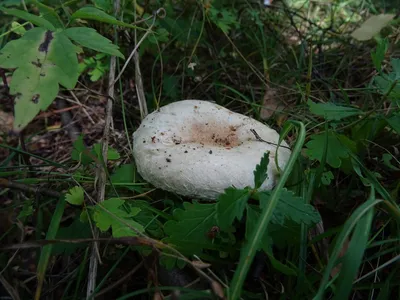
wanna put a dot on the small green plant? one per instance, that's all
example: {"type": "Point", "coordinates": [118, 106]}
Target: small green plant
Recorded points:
{"type": "Point", "coordinates": [46, 57]}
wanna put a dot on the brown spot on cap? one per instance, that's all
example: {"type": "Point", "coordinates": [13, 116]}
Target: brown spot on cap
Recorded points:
{"type": "Point", "coordinates": [221, 134]}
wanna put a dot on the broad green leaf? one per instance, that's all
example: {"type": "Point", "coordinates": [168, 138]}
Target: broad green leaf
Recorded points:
{"type": "Point", "coordinates": [284, 269]}
{"type": "Point", "coordinates": [77, 230]}
{"type": "Point", "coordinates": [394, 122]}
{"type": "Point", "coordinates": [231, 205]}
{"type": "Point", "coordinates": [372, 26]}
{"type": "Point", "coordinates": [261, 171]}
{"type": "Point", "coordinates": [292, 207]}
{"type": "Point", "coordinates": [43, 59]}
{"type": "Point", "coordinates": [93, 13]}
{"type": "Point", "coordinates": [330, 111]}
{"type": "Point", "coordinates": [379, 55]}
{"type": "Point", "coordinates": [89, 38]}
{"type": "Point", "coordinates": [124, 174]}
{"type": "Point", "coordinates": [112, 154]}
{"type": "Point", "coordinates": [75, 195]}
{"type": "Point", "coordinates": [27, 210]}
{"type": "Point", "coordinates": [336, 150]}
{"type": "Point", "coordinates": [396, 67]}
{"type": "Point", "coordinates": [36, 20]}
{"type": "Point", "coordinates": [122, 229]}
{"type": "Point", "coordinates": [192, 225]}
{"type": "Point", "coordinates": [49, 14]}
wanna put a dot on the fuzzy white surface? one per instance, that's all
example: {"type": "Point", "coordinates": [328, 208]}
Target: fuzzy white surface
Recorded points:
{"type": "Point", "coordinates": [197, 148]}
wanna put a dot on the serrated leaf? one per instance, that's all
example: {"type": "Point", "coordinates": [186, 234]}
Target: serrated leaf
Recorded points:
{"type": "Point", "coordinates": [261, 171]}
{"type": "Point", "coordinates": [223, 18]}
{"type": "Point", "coordinates": [294, 208]}
{"type": "Point", "coordinates": [230, 205]}
{"type": "Point", "coordinates": [75, 195]}
{"type": "Point", "coordinates": [330, 111]}
{"type": "Point", "coordinates": [394, 122]}
{"type": "Point", "coordinates": [89, 38]}
{"type": "Point", "coordinates": [43, 59]}
{"type": "Point", "coordinates": [336, 150]}
{"type": "Point", "coordinates": [192, 224]}
{"type": "Point", "coordinates": [36, 20]}
{"type": "Point", "coordinates": [112, 154]}
{"type": "Point", "coordinates": [93, 13]}
{"type": "Point", "coordinates": [372, 26]}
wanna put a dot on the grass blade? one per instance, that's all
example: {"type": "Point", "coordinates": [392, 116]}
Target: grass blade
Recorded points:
{"type": "Point", "coordinates": [46, 251]}
{"type": "Point", "coordinates": [250, 247]}
{"type": "Point", "coordinates": [347, 229]}
{"type": "Point", "coordinates": [354, 255]}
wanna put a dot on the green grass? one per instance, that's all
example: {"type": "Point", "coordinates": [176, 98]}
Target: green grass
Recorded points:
{"type": "Point", "coordinates": [343, 171]}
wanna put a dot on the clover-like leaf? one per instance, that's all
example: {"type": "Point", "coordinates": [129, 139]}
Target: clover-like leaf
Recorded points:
{"type": "Point", "coordinates": [75, 195]}
{"type": "Point", "coordinates": [43, 59]}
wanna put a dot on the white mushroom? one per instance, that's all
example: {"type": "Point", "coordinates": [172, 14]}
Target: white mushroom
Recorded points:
{"type": "Point", "coordinates": [197, 148]}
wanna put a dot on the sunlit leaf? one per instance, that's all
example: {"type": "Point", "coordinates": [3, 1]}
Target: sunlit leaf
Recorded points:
{"type": "Point", "coordinates": [75, 195]}
{"type": "Point", "coordinates": [330, 111]}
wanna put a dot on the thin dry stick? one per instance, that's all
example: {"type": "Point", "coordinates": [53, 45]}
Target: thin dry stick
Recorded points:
{"type": "Point", "coordinates": [101, 174]}
{"type": "Point", "coordinates": [138, 77]}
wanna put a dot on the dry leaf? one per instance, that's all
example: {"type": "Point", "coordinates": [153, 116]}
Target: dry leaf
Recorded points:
{"type": "Point", "coordinates": [271, 104]}
{"type": "Point", "coordinates": [372, 26]}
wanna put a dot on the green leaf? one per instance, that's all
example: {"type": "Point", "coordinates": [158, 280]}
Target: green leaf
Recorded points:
{"type": "Point", "coordinates": [124, 174]}
{"type": "Point", "coordinates": [192, 224]}
{"type": "Point", "coordinates": [230, 205]}
{"type": "Point", "coordinates": [326, 178]}
{"type": "Point", "coordinates": [396, 67]}
{"type": "Point", "coordinates": [27, 210]}
{"type": "Point", "coordinates": [336, 150]}
{"type": "Point", "coordinates": [43, 60]}
{"type": "Point", "coordinates": [354, 255]}
{"type": "Point", "coordinates": [394, 122]}
{"type": "Point", "coordinates": [92, 13]}
{"type": "Point", "coordinates": [386, 158]}
{"type": "Point", "coordinates": [36, 20]}
{"type": "Point", "coordinates": [252, 216]}
{"type": "Point", "coordinates": [379, 55]}
{"type": "Point", "coordinates": [372, 26]}
{"type": "Point", "coordinates": [77, 230]}
{"type": "Point", "coordinates": [223, 18]}
{"type": "Point", "coordinates": [18, 28]}
{"type": "Point", "coordinates": [122, 229]}
{"type": "Point", "coordinates": [330, 111]}
{"type": "Point", "coordinates": [112, 154]}
{"type": "Point", "coordinates": [49, 14]}
{"type": "Point", "coordinates": [89, 38]}
{"type": "Point", "coordinates": [75, 195]}
{"type": "Point", "coordinates": [78, 153]}
{"type": "Point", "coordinates": [294, 208]}
{"type": "Point", "coordinates": [261, 171]}
{"type": "Point", "coordinates": [101, 214]}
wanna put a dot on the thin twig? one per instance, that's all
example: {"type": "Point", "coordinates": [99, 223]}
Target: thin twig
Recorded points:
{"type": "Point", "coordinates": [138, 76]}
{"type": "Point", "coordinates": [27, 188]}
{"type": "Point", "coordinates": [264, 141]}
{"type": "Point", "coordinates": [8, 287]}
{"type": "Point", "coordinates": [101, 173]}
{"type": "Point", "coordinates": [160, 13]}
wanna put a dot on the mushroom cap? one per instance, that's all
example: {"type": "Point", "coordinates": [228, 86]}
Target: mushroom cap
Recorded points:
{"type": "Point", "coordinates": [198, 149]}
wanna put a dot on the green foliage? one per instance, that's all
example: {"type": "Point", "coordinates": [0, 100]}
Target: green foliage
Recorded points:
{"type": "Point", "coordinates": [44, 58]}
{"type": "Point", "coordinates": [225, 19]}
{"type": "Point", "coordinates": [231, 205]}
{"type": "Point", "coordinates": [336, 149]}
{"type": "Point", "coordinates": [330, 111]}
{"type": "Point", "coordinates": [75, 195]}
{"type": "Point", "coordinates": [260, 173]}
{"type": "Point", "coordinates": [379, 54]}
{"type": "Point", "coordinates": [85, 156]}
{"type": "Point", "coordinates": [112, 214]}
{"type": "Point", "coordinates": [97, 66]}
